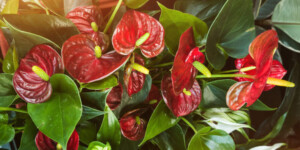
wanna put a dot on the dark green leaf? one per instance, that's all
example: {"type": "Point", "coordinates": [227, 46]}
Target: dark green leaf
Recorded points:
{"type": "Point", "coordinates": [28, 136]}
{"type": "Point", "coordinates": [172, 138]}
{"type": "Point", "coordinates": [176, 22]}
{"type": "Point", "coordinates": [33, 29]}
{"type": "Point", "coordinates": [287, 41]}
{"type": "Point", "coordinates": [7, 133]}
{"type": "Point", "coordinates": [260, 106]}
{"type": "Point", "coordinates": [127, 144]}
{"type": "Point", "coordinates": [7, 92]}
{"type": "Point", "coordinates": [205, 10]}
{"type": "Point", "coordinates": [87, 132]}
{"type": "Point", "coordinates": [11, 7]}
{"type": "Point", "coordinates": [90, 113]}
{"type": "Point", "coordinates": [11, 61]}
{"type": "Point", "coordinates": [135, 4]}
{"type": "Point", "coordinates": [161, 120]}
{"type": "Point", "coordinates": [110, 130]}
{"type": "Point", "coordinates": [215, 139]}
{"type": "Point", "coordinates": [95, 99]}
{"type": "Point", "coordinates": [230, 34]}
{"type": "Point", "coordinates": [128, 102]}
{"type": "Point", "coordinates": [58, 116]}
{"type": "Point", "coordinates": [267, 9]}
{"type": "Point", "coordinates": [106, 83]}
{"type": "Point", "coordinates": [286, 17]}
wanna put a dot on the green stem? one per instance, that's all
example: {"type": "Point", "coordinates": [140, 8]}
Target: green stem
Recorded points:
{"type": "Point", "coordinates": [202, 51]}
{"type": "Point", "coordinates": [12, 109]}
{"type": "Point", "coordinates": [163, 65]}
{"type": "Point", "coordinates": [225, 76]}
{"type": "Point", "coordinates": [112, 16]}
{"type": "Point", "coordinates": [189, 124]}
{"type": "Point", "coordinates": [229, 71]}
{"type": "Point", "coordinates": [19, 128]}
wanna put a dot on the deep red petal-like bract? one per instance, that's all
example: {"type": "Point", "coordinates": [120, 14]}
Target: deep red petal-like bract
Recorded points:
{"type": "Point", "coordinates": [154, 94]}
{"type": "Point", "coordinates": [180, 104]}
{"type": "Point", "coordinates": [130, 128]}
{"type": "Point", "coordinates": [45, 143]}
{"type": "Point", "coordinates": [183, 72]}
{"type": "Point", "coordinates": [261, 50]}
{"type": "Point", "coordinates": [80, 61]}
{"type": "Point", "coordinates": [114, 97]}
{"type": "Point", "coordinates": [132, 26]}
{"type": "Point", "coordinates": [134, 81]}
{"type": "Point", "coordinates": [29, 86]}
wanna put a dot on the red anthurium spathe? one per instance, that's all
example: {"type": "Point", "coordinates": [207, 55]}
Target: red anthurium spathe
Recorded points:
{"type": "Point", "coordinates": [134, 80]}
{"type": "Point", "coordinates": [31, 78]}
{"type": "Point", "coordinates": [114, 97]}
{"type": "Point", "coordinates": [85, 61]}
{"type": "Point", "coordinates": [277, 70]}
{"type": "Point", "coordinates": [154, 96]}
{"type": "Point", "coordinates": [261, 51]}
{"type": "Point", "coordinates": [183, 72]}
{"type": "Point", "coordinates": [83, 18]}
{"type": "Point", "coordinates": [132, 126]}
{"type": "Point", "coordinates": [180, 104]}
{"type": "Point", "coordinates": [138, 29]}
{"type": "Point", "coordinates": [45, 143]}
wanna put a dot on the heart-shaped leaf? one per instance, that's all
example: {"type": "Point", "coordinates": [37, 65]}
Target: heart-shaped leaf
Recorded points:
{"type": "Point", "coordinates": [28, 136]}
{"type": "Point", "coordinates": [266, 9]}
{"type": "Point", "coordinates": [58, 117]}
{"type": "Point", "coordinates": [7, 133]}
{"type": "Point", "coordinates": [106, 83]}
{"type": "Point", "coordinates": [135, 4]}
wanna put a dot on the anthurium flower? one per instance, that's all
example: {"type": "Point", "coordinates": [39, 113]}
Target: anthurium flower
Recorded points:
{"type": "Point", "coordinates": [85, 61]}
{"type": "Point", "coordinates": [31, 79]}
{"type": "Point", "coordinates": [180, 104]}
{"type": "Point", "coordinates": [154, 96]}
{"type": "Point", "coordinates": [45, 143]}
{"type": "Point", "coordinates": [138, 30]}
{"type": "Point", "coordinates": [277, 70]}
{"type": "Point", "coordinates": [132, 126]}
{"type": "Point", "coordinates": [261, 51]}
{"type": "Point", "coordinates": [183, 72]}
{"type": "Point", "coordinates": [133, 79]}
{"type": "Point", "coordinates": [114, 97]}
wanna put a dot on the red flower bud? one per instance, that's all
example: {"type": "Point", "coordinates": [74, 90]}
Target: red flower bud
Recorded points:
{"type": "Point", "coordinates": [114, 97]}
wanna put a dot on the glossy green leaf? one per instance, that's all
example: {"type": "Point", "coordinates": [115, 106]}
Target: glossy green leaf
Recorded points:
{"type": "Point", "coordinates": [7, 92]}
{"type": "Point", "coordinates": [176, 22]}
{"type": "Point", "coordinates": [204, 10]}
{"type": "Point", "coordinates": [110, 130]}
{"type": "Point", "coordinates": [87, 132]}
{"type": "Point", "coordinates": [33, 29]}
{"type": "Point", "coordinates": [127, 102]}
{"type": "Point", "coordinates": [287, 41]}
{"type": "Point", "coordinates": [135, 4]}
{"type": "Point", "coordinates": [230, 34]}
{"type": "Point", "coordinates": [11, 7]}
{"type": "Point", "coordinates": [267, 9]}
{"type": "Point", "coordinates": [161, 120]}
{"type": "Point", "coordinates": [58, 117]}
{"type": "Point", "coordinates": [286, 17]}
{"type": "Point", "coordinates": [95, 99]}
{"type": "Point", "coordinates": [260, 106]}
{"type": "Point", "coordinates": [106, 83]}
{"type": "Point", "coordinates": [3, 118]}
{"type": "Point", "coordinates": [172, 138]}
{"type": "Point", "coordinates": [127, 144]}
{"type": "Point", "coordinates": [28, 136]}
{"type": "Point", "coordinates": [215, 139]}
{"type": "Point", "coordinates": [90, 113]}
{"type": "Point", "coordinates": [11, 61]}
{"type": "Point", "coordinates": [7, 133]}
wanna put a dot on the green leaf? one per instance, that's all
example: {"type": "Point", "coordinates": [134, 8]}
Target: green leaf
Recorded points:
{"type": "Point", "coordinates": [260, 106]}
{"type": "Point", "coordinates": [204, 10]}
{"type": "Point", "coordinates": [56, 6]}
{"type": "Point", "coordinates": [161, 120]}
{"type": "Point", "coordinates": [110, 130]}
{"type": "Point", "coordinates": [28, 136]}
{"type": "Point", "coordinates": [230, 34]}
{"type": "Point", "coordinates": [215, 139]}
{"type": "Point", "coordinates": [176, 22]}
{"type": "Point", "coordinates": [7, 92]}
{"type": "Point", "coordinates": [172, 138]}
{"type": "Point", "coordinates": [7, 133]}
{"type": "Point", "coordinates": [135, 4]}
{"type": "Point", "coordinates": [127, 144]}
{"type": "Point", "coordinates": [267, 9]}
{"type": "Point", "coordinates": [286, 17]}
{"type": "Point", "coordinates": [11, 61]}
{"type": "Point", "coordinates": [99, 146]}
{"type": "Point", "coordinates": [58, 117]}
{"type": "Point", "coordinates": [95, 99]}
{"type": "Point", "coordinates": [87, 132]}
{"type": "Point", "coordinates": [3, 118]}
{"type": "Point", "coordinates": [106, 83]}
{"type": "Point", "coordinates": [11, 7]}
{"type": "Point", "coordinates": [33, 29]}
{"type": "Point", "coordinates": [90, 113]}
{"type": "Point", "coordinates": [127, 102]}
{"type": "Point", "coordinates": [287, 41]}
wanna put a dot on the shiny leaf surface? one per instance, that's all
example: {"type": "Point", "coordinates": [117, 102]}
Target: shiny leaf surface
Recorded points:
{"type": "Point", "coordinates": [7, 92]}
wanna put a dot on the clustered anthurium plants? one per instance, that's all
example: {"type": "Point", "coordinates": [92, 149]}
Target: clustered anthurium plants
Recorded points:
{"type": "Point", "coordinates": [147, 74]}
